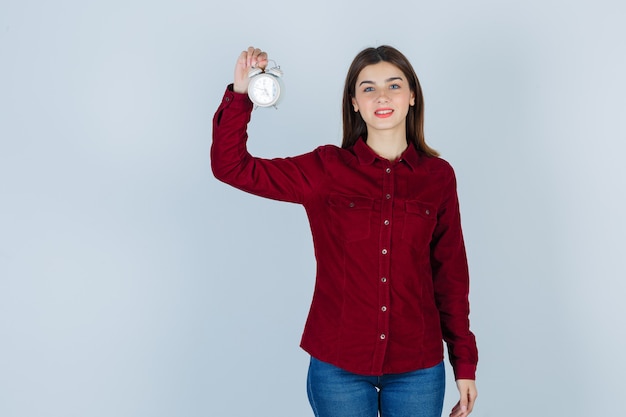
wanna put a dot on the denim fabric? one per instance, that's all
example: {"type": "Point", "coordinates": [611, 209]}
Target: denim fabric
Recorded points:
{"type": "Point", "coordinates": [334, 392]}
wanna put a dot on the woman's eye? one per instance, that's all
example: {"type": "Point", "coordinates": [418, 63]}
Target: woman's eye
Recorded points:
{"type": "Point", "coordinates": [368, 89]}
{"type": "Point", "coordinates": [394, 86]}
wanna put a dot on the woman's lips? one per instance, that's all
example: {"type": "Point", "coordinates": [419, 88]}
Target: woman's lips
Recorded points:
{"type": "Point", "coordinates": [383, 113]}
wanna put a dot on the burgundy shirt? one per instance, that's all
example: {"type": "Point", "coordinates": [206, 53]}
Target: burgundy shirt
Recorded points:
{"type": "Point", "coordinates": [392, 276]}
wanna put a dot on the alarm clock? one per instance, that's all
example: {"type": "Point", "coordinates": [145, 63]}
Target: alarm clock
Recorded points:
{"type": "Point", "coordinates": [266, 86]}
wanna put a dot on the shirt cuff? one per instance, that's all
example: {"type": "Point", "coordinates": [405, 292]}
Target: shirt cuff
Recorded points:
{"type": "Point", "coordinates": [465, 371]}
{"type": "Point", "coordinates": [236, 100]}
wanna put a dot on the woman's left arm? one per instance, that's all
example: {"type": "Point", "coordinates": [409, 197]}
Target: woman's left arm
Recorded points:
{"type": "Point", "coordinates": [451, 279]}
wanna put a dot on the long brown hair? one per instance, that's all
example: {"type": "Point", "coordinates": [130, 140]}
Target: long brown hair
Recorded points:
{"type": "Point", "coordinates": [353, 125]}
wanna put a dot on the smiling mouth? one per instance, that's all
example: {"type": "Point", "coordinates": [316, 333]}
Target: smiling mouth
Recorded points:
{"type": "Point", "coordinates": [383, 112]}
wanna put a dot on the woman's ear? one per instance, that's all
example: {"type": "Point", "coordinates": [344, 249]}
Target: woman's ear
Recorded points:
{"type": "Point", "coordinates": [354, 105]}
{"type": "Point", "coordinates": [412, 101]}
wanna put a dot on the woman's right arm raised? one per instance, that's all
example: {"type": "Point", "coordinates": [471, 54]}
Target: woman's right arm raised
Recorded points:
{"type": "Point", "coordinates": [286, 179]}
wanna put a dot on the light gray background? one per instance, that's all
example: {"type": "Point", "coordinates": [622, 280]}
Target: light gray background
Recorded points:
{"type": "Point", "coordinates": [132, 283]}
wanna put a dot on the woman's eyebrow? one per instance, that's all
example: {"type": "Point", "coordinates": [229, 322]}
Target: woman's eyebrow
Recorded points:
{"type": "Point", "coordinates": [387, 80]}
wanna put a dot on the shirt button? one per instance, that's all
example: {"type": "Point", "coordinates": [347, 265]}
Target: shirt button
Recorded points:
{"type": "Point", "coordinates": [351, 204]}
{"type": "Point", "coordinates": [386, 222]}
{"type": "Point", "coordinates": [427, 211]}
{"type": "Point", "coordinates": [388, 196]}
{"type": "Point", "coordinates": [384, 252]}
{"type": "Point", "coordinates": [388, 170]}
{"type": "Point", "coordinates": [383, 279]}
{"type": "Point", "coordinates": [382, 336]}
{"type": "Point", "coordinates": [383, 308]}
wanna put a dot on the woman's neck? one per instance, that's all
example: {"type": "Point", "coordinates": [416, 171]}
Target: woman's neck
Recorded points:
{"type": "Point", "coordinates": [387, 146]}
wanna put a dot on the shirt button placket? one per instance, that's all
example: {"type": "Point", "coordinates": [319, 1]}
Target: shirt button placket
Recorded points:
{"type": "Point", "coordinates": [385, 262]}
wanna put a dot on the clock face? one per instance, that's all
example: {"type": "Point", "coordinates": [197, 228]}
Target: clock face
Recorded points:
{"type": "Point", "coordinates": [263, 90]}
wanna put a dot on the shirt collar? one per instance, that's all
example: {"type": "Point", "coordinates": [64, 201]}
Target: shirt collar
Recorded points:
{"type": "Point", "coordinates": [367, 156]}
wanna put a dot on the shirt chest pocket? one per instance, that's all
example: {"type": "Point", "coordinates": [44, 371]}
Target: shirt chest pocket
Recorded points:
{"type": "Point", "coordinates": [351, 216]}
{"type": "Point", "coordinates": [420, 220]}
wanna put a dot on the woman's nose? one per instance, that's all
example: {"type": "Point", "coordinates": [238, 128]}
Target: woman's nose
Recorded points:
{"type": "Point", "coordinates": [382, 97]}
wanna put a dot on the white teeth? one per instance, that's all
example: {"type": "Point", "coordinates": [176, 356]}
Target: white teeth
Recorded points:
{"type": "Point", "coordinates": [384, 112]}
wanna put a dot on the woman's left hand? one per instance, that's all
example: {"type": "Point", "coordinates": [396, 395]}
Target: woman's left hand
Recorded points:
{"type": "Point", "coordinates": [467, 390]}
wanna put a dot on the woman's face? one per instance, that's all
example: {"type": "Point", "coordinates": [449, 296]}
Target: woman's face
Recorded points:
{"type": "Point", "coordinates": [383, 96]}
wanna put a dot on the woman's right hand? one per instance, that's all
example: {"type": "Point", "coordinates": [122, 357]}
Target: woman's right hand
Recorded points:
{"type": "Point", "coordinates": [250, 58]}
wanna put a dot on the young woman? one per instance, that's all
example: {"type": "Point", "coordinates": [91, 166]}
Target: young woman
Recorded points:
{"type": "Point", "coordinates": [392, 278]}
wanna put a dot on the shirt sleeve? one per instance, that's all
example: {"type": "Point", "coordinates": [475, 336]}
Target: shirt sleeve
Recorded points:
{"type": "Point", "coordinates": [285, 179]}
{"type": "Point", "coordinates": [451, 284]}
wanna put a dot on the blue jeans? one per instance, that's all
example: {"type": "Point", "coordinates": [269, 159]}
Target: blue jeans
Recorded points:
{"type": "Point", "coordinates": [334, 392]}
